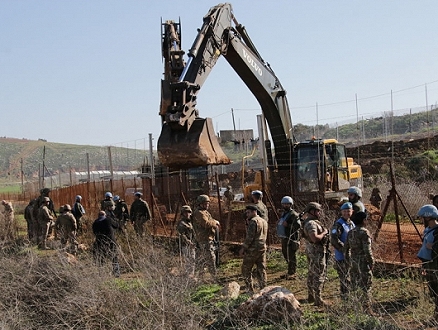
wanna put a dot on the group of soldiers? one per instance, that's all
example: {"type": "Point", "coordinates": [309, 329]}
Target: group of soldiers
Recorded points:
{"type": "Point", "coordinates": [43, 220]}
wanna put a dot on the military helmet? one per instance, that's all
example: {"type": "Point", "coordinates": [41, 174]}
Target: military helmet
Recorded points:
{"type": "Point", "coordinates": [78, 197]}
{"type": "Point", "coordinates": [313, 206]}
{"type": "Point", "coordinates": [347, 206]}
{"type": "Point", "coordinates": [186, 208]}
{"type": "Point", "coordinates": [116, 198]}
{"type": "Point", "coordinates": [257, 193]}
{"type": "Point", "coordinates": [61, 209]}
{"type": "Point", "coordinates": [108, 203]}
{"type": "Point", "coordinates": [45, 190]}
{"type": "Point", "coordinates": [252, 208]}
{"type": "Point", "coordinates": [202, 199]}
{"type": "Point", "coordinates": [46, 199]}
{"type": "Point", "coordinates": [355, 190]}
{"type": "Point", "coordinates": [138, 194]}
{"type": "Point", "coordinates": [229, 187]}
{"type": "Point", "coordinates": [67, 207]}
{"type": "Point", "coordinates": [108, 195]}
{"type": "Point", "coordinates": [428, 211]}
{"type": "Point", "coordinates": [287, 200]}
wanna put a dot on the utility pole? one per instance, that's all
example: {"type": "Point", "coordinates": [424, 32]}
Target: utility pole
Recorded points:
{"type": "Point", "coordinates": [151, 156]}
{"type": "Point", "coordinates": [110, 163]}
{"type": "Point", "coordinates": [22, 177]}
{"type": "Point", "coordinates": [88, 168]}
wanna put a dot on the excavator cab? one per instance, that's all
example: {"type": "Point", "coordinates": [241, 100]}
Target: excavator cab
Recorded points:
{"type": "Point", "coordinates": [321, 169]}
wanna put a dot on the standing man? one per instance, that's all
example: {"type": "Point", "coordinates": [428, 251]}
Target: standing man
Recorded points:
{"type": "Point", "coordinates": [316, 236]}
{"type": "Point", "coordinates": [140, 213]}
{"type": "Point", "coordinates": [45, 222]}
{"type": "Point", "coordinates": [229, 197]}
{"type": "Point", "coordinates": [105, 245]}
{"type": "Point", "coordinates": [205, 230]}
{"type": "Point", "coordinates": [108, 198]}
{"type": "Point", "coordinates": [253, 249]}
{"type": "Point", "coordinates": [121, 211]}
{"type": "Point", "coordinates": [187, 242]}
{"type": "Point", "coordinates": [376, 198]}
{"type": "Point", "coordinates": [8, 217]}
{"type": "Point", "coordinates": [338, 237]}
{"type": "Point", "coordinates": [78, 212]}
{"type": "Point", "coordinates": [67, 228]}
{"type": "Point", "coordinates": [360, 258]}
{"type": "Point", "coordinates": [32, 225]}
{"type": "Point", "coordinates": [257, 196]}
{"type": "Point", "coordinates": [428, 253]}
{"type": "Point", "coordinates": [288, 229]}
{"type": "Point", "coordinates": [354, 196]}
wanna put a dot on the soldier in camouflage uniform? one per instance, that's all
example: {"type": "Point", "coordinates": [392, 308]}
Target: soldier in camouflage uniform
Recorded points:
{"type": "Point", "coordinates": [229, 197]}
{"type": "Point", "coordinates": [140, 213]}
{"type": "Point", "coordinates": [354, 196]}
{"type": "Point", "coordinates": [359, 256]}
{"type": "Point", "coordinates": [32, 224]}
{"type": "Point", "coordinates": [187, 241]}
{"type": "Point", "coordinates": [8, 218]}
{"type": "Point", "coordinates": [121, 210]}
{"type": "Point", "coordinates": [45, 222]}
{"type": "Point", "coordinates": [338, 237]}
{"type": "Point", "coordinates": [67, 228]}
{"type": "Point", "coordinates": [257, 196]}
{"type": "Point", "coordinates": [254, 249]}
{"type": "Point", "coordinates": [205, 229]}
{"type": "Point", "coordinates": [78, 212]}
{"type": "Point", "coordinates": [316, 236]}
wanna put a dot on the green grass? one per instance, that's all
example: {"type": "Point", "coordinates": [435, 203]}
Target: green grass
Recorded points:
{"type": "Point", "coordinates": [12, 189]}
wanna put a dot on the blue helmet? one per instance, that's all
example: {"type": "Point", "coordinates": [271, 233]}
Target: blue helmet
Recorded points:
{"type": "Point", "coordinates": [78, 197]}
{"type": "Point", "coordinates": [428, 211]}
{"type": "Point", "coordinates": [287, 200]}
{"type": "Point", "coordinates": [347, 206]}
{"type": "Point", "coordinates": [257, 192]}
{"type": "Point", "coordinates": [116, 198]}
{"type": "Point", "coordinates": [108, 195]}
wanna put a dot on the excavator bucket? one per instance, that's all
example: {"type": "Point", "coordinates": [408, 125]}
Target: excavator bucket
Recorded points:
{"type": "Point", "coordinates": [181, 149]}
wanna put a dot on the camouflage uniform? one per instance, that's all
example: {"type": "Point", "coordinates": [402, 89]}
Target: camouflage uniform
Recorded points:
{"type": "Point", "coordinates": [360, 258]}
{"type": "Point", "coordinates": [338, 237]}
{"type": "Point", "coordinates": [45, 223]}
{"type": "Point", "coordinates": [121, 211]}
{"type": "Point", "coordinates": [66, 226]}
{"type": "Point", "coordinates": [255, 252]}
{"type": "Point", "coordinates": [376, 198]}
{"type": "Point", "coordinates": [316, 257]}
{"type": "Point", "coordinates": [262, 209]}
{"type": "Point", "coordinates": [188, 243]}
{"type": "Point", "coordinates": [229, 197]}
{"type": "Point", "coordinates": [140, 213]}
{"type": "Point", "coordinates": [290, 243]}
{"type": "Point", "coordinates": [32, 225]}
{"type": "Point", "coordinates": [205, 229]}
{"type": "Point", "coordinates": [78, 211]}
{"type": "Point", "coordinates": [8, 217]}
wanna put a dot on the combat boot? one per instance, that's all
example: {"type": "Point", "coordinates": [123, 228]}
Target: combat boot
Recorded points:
{"type": "Point", "coordinates": [310, 298]}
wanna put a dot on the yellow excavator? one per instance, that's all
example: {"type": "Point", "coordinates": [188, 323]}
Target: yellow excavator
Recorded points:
{"type": "Point", "coordinates": [313, 170]}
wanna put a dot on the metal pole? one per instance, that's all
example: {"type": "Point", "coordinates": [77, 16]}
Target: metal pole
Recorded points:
{"type": "Point", "coordinates": [151, 157]}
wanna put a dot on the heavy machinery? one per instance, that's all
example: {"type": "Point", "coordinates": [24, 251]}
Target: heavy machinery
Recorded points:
{"type": "Point", "coordinates": [311, 170]}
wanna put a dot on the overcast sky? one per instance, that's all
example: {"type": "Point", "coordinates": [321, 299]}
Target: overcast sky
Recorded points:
{"type": "Point", "coordinates": [88, 72]}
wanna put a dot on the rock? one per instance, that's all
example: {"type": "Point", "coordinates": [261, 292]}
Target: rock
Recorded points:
{"type": "Point", "coordinates": [273, 303]}
{"type": "Point", "coordinates": [231, 290]}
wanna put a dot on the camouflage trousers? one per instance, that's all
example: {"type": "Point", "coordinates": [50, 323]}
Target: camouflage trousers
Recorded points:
{"type": "Point", "coordinates": [207, 257]}
{"type": "Point", "coordinates": [45, 228]}
{"type": "Point", "coordinates": [316, 274]}
{"type": "Point", "coordinates": [343, 270]}
{"type": "Point", "coordinates": [188, 253]}
{"type": "Point", "coordinates": [139, 226]}
{"type": "Point", "coordinates": [289, 250]}
{"type": "Point", "coordinates": [257, 258]}
{"type": "Point", "coordinates": [361, 278]}
{"type": "Point", "coordinates": [70, 237]}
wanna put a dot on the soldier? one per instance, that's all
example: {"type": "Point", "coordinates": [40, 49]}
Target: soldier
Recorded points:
{"type": "Point", "coordinates": [32, 225]}
{"type": "Point", "coordinates": [359, 256]}
{"type": "Point", "coordinates": [288, 229]}
{"type": "Point", "coordinates": [257, 196]}
{"type": "Point", "coordinates": [428, 253]}
{"type": "Point", "coordinates": [67, 227]}
{"type": "Point", "coordinates": [376, 198]}
{"type": "Point", "coordinates": [229, 197]}
{"type": "Point", "coordinates": [78, 212]}
{"type": "Point", "coordinates": [8, 217]}
{"type": "Point", "coordinates": [140, 213]}
{"type": "Point", "coordinates": [354, 196]}
{"type": "Point", "coordinates": [205, 230]}
{"type": "Point", "coordinates": [253, 249]}
{"type": "Point", "coordinates": [316, 236]}
{"type": "Point", "coordinates": [121, 211]}
{"type": "Point", "coordinates": [338, 237]}
{"type": "Point", "coordinates": [105, 245]}
{"type": "Point", "coordinates": [187, 242]}
{"type": "Point", "coordinates": [45, 222]}
{"type": "Point", "coordinates": [108, 197]}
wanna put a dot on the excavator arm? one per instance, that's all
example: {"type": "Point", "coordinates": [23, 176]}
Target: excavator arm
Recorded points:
{"type": "Point", "coordinates": [186, 140]}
